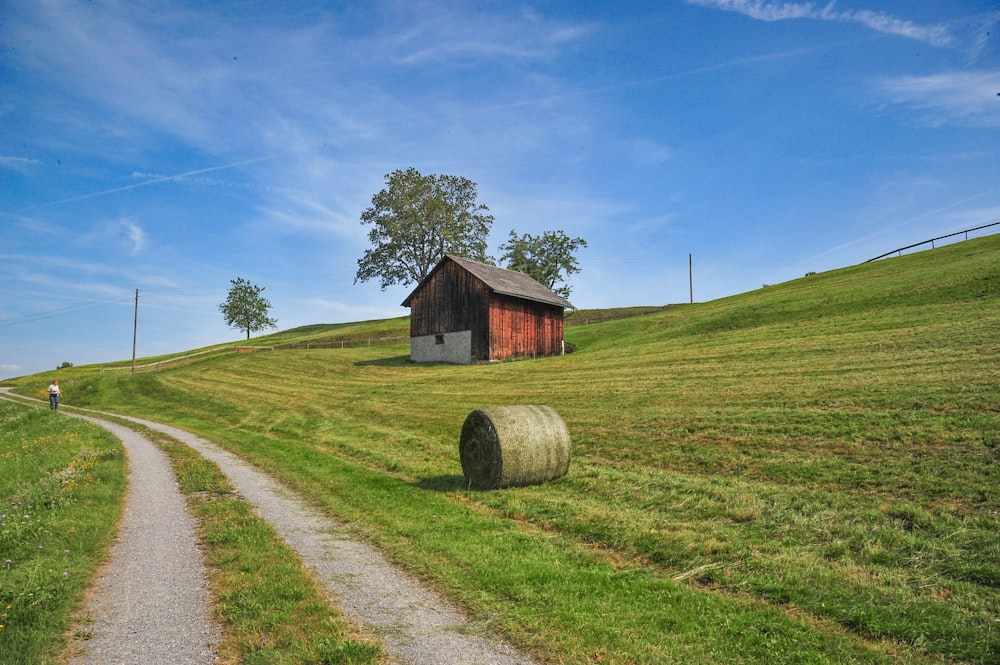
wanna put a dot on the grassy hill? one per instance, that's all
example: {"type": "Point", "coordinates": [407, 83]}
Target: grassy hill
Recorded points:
{"type": "Point", "coordinates": [803, 473]}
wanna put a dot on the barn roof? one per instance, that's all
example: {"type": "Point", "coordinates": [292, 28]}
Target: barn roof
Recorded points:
{"type": "Point", "coordinates": [500, 280]}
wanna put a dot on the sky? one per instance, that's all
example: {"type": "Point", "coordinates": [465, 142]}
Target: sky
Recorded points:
{"type": "Point", "coordinates": [700, 147]}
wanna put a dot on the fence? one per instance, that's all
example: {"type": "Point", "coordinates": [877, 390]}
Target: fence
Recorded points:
{"type": "Point", "coordinates": [933, 240]}
{"type": "Point", "coordinates": [344, 343]}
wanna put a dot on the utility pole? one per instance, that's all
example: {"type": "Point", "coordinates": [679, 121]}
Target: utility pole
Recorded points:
{"type": "Point", "coordinates": [691, 277]}
{"type": "Point", "coordinates": [135, 330]}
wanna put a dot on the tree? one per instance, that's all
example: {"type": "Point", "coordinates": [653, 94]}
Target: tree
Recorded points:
{"type": "Point", "coordinates": [549, 258]}
{"type": "Point", "coordinates": [416, 220]}
{"type": "Point", "coordinates": [245, 308]}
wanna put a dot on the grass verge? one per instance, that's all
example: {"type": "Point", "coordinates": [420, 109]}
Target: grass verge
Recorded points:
{"type": "Point", "coordinates": [60, 501]}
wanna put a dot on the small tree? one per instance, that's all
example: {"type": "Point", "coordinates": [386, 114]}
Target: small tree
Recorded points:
{"type": "Point", "coordinates": [245, 308]}
{"type": "Point", "coordinates": [549, 258]}
{"type": "Point", "coordinates": [416, 220]}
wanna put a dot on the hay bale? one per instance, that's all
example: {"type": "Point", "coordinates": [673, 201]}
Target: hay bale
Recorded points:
{"type": "Point", "coordinates": [508, 446]}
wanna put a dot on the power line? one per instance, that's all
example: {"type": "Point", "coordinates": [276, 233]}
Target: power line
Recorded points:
{"type": "Point", "coordinates": [62, 311]}
{"type": "Point", "coordinates": [193, 291]}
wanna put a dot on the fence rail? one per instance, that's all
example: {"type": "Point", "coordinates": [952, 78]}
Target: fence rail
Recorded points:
{"type": "Point", "coordinates": [345, 343]}
{"type": "Point", "coordinates": [933, 240]}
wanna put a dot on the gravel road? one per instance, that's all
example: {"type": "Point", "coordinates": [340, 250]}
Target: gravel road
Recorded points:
{"type": "Point", "coordinates": [415, 626]}
{"type": "Point", "coordinates": [151, 604]}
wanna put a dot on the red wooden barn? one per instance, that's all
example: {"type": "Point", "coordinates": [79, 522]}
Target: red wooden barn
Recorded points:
{"type": "Point", "coordinates": [465, 312]}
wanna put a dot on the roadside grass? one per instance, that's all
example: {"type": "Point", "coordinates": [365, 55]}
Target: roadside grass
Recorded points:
{"type": "Point", "coordinates": [271, 609]}
{"type": "Point", "coordinates": [61, 488]}
{"type": "Point", "coordinates": [803, 473]}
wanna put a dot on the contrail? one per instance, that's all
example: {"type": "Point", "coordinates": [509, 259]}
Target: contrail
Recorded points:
{"type": "Point", "coordinates": [153, 181]}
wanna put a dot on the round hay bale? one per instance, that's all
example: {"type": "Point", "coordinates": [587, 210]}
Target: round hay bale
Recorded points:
{"type": "Point", "coordinates": [508, 446]}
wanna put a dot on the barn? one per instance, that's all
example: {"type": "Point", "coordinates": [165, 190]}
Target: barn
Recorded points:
{"type": "Point", "coordinates": [466, 312]}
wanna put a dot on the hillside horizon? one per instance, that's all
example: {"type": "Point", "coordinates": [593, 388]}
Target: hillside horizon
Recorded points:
{"type": "Point", "coordinates": [398, 326]}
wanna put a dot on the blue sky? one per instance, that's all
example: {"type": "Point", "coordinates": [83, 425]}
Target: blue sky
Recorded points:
{"type": "Point", "coordinates": [170, 147]}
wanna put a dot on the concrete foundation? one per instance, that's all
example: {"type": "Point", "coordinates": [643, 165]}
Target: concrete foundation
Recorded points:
{"type": "Point", "coordinates": [455, 348]}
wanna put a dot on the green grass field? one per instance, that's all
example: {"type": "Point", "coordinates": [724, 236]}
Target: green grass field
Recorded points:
{"type": "Point", "coordinates": [805, 473]}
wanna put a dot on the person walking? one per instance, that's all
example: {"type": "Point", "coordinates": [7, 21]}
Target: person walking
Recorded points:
{"type": "Point", "coordinates": [54, 395]}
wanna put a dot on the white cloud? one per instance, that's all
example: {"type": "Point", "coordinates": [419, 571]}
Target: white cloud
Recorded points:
{"type": "Point", "coordinates": [981, 31]}
{"type": "Point", "coordinates": [114, 61]}
{"type": "Point", "coordinates": [124, 233]}
{"type": "Point", "coordinates": [454, 37]}
{"type": "Point", "coordinates": [974, 218]}
{"type": "Point", "coordinates": [17, 163]}
{"type": "Point", "coordinates": [937, 35]}
{"type": "Point", "coordinates": [969, 98]}
{"type": "Point", "coordinates": [651, 152]}
{"type": "Point", "coordinates": [763, 11]}
{"type": "Point", "coordinates": [135, 234]}
{"type": "Point", "coordinates": [312, 310]}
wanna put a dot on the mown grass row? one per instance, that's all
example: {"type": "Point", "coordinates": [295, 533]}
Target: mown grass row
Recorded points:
{"type": "Point", "coordinates": [804, 473]}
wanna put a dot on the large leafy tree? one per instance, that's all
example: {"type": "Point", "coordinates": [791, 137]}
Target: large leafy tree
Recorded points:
{"type": "Point", "coordinates": [549, 258]}
{"type": "Point", "coordinates": [417, 219]}
{"type": "Point", "coordinates": [245, 308]}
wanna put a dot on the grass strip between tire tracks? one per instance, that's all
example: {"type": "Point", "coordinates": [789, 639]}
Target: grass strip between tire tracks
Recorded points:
{"type": "Point", "coordinates": [272, 610]}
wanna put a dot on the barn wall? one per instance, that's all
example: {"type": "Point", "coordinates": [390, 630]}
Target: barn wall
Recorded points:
{"type": "Point", "coordinates": [452, 300]}
{"type": "Point", "coordinates": [520, 328]}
